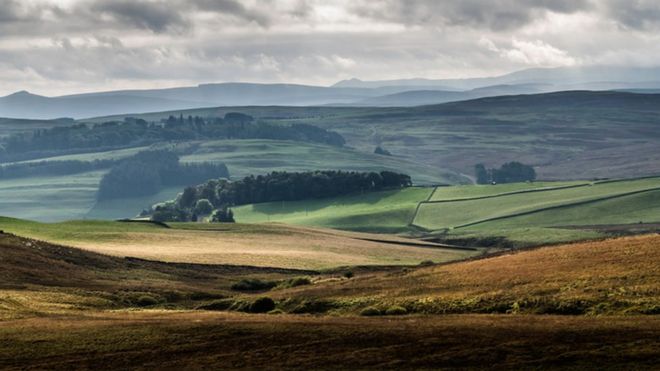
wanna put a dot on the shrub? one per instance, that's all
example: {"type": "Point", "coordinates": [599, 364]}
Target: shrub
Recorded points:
{"type": "Point", "coordinates": [222, 304]}
{"type": "Point", "coordinates": [253, 284]}
{"type": "Point", "coordinates": [396, 310]}
{"type": "Point", "coordinates": [262, 305]}
{"type": "Point", "coordinates": [426, 263]}
{"type": "Point", "coordinates": [146, 301]}
{"type": "Point", "coordinates": [348, 274]}
{"type": "Point", "coordinates": [370, 311]}
{"type": "Point", "coordinates": [295, 282]}
{"type": "Point", "coordinates": [314, 306]}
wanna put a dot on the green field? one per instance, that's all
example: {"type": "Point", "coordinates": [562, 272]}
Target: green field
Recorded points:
{"type": "Point", "coordinates": [387, 211]}
{"type": "Point", "coordinates": [116, 154]}
{"type": "Point", "coordinates": [478, 191]}
{"type": "Point", "coordinates": [521, 214]}
{"type": "Point", "coordinates": [255, 156]}
{"type": "Point", "coordinates": [55, 198]}
{"type": "Point", "coordinates": [459, 213]}
{"type": "Point", "coordinates": [49, 198]}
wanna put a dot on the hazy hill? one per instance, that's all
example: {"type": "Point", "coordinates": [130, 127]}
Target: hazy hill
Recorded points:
{"type": "Point", "coordinates": [411, 92]}
{"type": "Point", "coordinates": [26, 105]}
{"type": "Point", "coordinates": [565, 135]}
{"type": "Point", "coordinates": [562, 78]}
{"type": "Point", "coordinates": [426, 97]}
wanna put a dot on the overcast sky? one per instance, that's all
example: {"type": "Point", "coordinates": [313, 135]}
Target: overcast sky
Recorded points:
{"type": "Point", "coordinates": [55, 47]}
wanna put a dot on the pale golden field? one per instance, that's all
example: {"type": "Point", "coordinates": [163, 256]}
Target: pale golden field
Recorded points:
{"type": "Point", "coordinates": [271, 245]}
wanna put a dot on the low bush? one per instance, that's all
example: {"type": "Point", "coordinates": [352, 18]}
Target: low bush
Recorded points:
{"type": "Point", "coordinates": [295, 282]}
{"type": "Point", "coordinates": [253, 284]}
{"type": "Point", "coordinates": [221, 304]}
{"type": "Point", "coordinates": [370, 311]}
{"type": "Point", "coordinates": [262, 305]}
{"type": "Point", "coordinates": [313, 306]}
{"type": "Point", "coordinates": [396, 310]}
{"type": "Point", "coordinates": [348, 274]}
{"type": "Point", "coordinates": [146, 301]}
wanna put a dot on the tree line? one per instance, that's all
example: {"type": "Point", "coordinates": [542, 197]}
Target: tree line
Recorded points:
{"type": "Point", "coordinates": [221, 194]}
{"type": "Point", "coordinates": [511, 172]}
{"type": "Point", "coordinates": [148, 172]}
{"type": "Point", "coordinates": [46, 168]}
{"type": "Point", "coordinates": [134, 132]}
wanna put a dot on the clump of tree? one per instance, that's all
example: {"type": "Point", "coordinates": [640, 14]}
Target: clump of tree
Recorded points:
{"type": "Point", "coordinates": [132, 132]}
{"type": "Point", "coordinates": [382, 151]}
{"type": "Point", "coordinates": [511, 172]}
{"type": "Point", "coordinates": [223, 215]}
{"type": "Point", "coordinates": [223, 194]}
{"type": "Point", "coordinates": [148, 172]}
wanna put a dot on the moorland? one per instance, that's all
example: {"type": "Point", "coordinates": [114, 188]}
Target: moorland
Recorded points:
{"type": "Point", "coordinates": [338, 255]}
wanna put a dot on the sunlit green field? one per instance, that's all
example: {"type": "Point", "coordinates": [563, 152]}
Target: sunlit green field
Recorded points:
{"type": "Point", "coordinates": [387, 211]}
{"type": "Point", "coordinates": [478, 191]}
{"type": "Point", "coordinates": [453, 214]}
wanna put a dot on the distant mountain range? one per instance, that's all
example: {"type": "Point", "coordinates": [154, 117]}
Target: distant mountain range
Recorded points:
{"type": "Point", "coordinates": [354, 92]}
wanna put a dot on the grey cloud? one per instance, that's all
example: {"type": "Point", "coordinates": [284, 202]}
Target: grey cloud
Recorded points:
{"type": "Point", "coordinates": [157, 16]}
{"type": "Point", "coordinates": [635, 14]}
{"type": "Point", "coordinates": [233, 8]}
{"type": "Point", "coordinates": [494, 14]}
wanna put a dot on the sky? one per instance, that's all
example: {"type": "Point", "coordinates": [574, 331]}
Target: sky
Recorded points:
{"type": "Point", "coordinates": [60, 47]}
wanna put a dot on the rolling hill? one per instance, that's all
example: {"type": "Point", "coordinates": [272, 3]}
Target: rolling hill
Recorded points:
{"type": "Point", "coordinates": [81, 309]}
{"type": "Point", "coordinates": [412, 92]}
{"type": "Point", "coordinates": [502, 216]}
{"type": "Point", "coordinates": [565, 135]}
{"type": "Point", "coordinates": [606, 277]}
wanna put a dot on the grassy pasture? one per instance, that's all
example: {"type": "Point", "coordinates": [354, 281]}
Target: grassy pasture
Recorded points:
{"type": "Point", "coordinates": [54, 198]}
{"type": "Point", "coordinates": [116, 154]}
{"type": "Point", "coordinates": [452, 214]}
{"type": "Point", "coordinates": [255, 156]}
{"type": "Point", "coordinates": [264, 245]}
{"type": "Point", "coordinates": [480, 191]}
{"type": "Point", "coordinates": [386, 211]}
{"type": "Point", "coordinates": [50, 198]}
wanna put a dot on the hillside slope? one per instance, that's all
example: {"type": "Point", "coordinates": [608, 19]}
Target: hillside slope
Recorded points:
{"type": "Point", "coordinates": [612, 276]}
{"type": "Point", "coordinates": [565, 135]}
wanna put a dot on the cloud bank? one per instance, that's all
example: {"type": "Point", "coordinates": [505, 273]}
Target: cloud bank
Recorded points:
{"type": "Point", "coordinates": [65, 46]}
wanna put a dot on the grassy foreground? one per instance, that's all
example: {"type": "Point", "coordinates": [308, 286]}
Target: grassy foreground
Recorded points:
{"type": "Point", "coordinates": [63, 308]}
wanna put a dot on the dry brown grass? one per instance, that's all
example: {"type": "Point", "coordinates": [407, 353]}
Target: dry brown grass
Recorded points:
{"type": "Point", "coordinates": [612, 276]}
{"type": "Point", "coordinates": [287, 247]}
{"type": "Point", "coordinates": [167, 340]}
